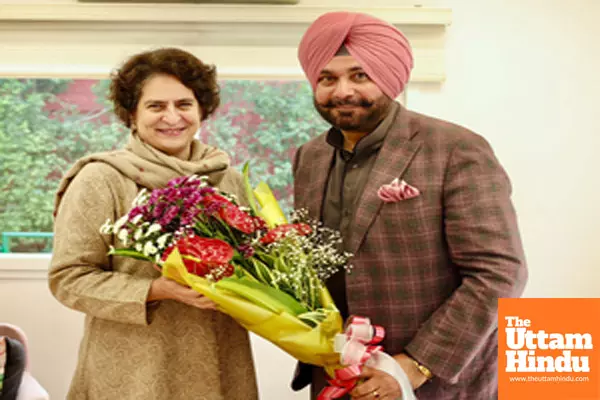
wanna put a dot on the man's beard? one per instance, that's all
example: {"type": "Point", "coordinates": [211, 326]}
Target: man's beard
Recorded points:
{"type": "Point", "coordinates": [355, 120]}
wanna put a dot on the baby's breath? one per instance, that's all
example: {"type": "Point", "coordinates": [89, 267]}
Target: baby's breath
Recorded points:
{"type": "Point", "coordinates": [305, 262]}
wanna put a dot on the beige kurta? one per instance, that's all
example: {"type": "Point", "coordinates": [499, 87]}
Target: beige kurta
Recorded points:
{"type": "Point", "coordinates": [130, 349]}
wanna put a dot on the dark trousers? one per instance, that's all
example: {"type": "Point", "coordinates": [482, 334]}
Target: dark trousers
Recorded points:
{"type": "Point", "coordinates": [314, 376]}
{"type": "Point", "coordinates": [319, 381]}
{"type": "Point", "coordinates": [13, 370]}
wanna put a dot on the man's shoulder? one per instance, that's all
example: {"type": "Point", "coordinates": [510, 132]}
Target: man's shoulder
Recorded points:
{"type": "Point", "coordinates": [437, 130]}
{"type": "Point", "coordinates": [315, 143]}
{"type": "Point", "coordinates": [309, 152]}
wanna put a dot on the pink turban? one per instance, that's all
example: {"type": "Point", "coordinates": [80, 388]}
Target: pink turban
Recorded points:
{"type": "Point", "coordinates": [381, 49]}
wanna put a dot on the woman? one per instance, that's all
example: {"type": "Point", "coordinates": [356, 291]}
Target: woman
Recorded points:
{"type": "Point", "coordinates": [146, 337]}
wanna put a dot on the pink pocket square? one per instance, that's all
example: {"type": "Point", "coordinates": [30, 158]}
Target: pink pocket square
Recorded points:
{"type": "Point", "coordinates": [396, 191]}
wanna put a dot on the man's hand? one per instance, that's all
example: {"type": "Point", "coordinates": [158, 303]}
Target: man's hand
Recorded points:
{"type": "Point", "coordinates": [415, 376]}
{"type": "Point", "coordinates": [376, 385]}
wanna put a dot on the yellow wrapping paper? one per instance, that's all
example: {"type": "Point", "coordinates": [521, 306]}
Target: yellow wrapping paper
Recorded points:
{"type": "Point", "coordinates": [270, 210]}
{"type": "Point", "coordinates": [311, 345]}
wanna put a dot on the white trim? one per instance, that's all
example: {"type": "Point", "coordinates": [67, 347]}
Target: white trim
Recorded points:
{"type": "Point", "coordinates": [244, 41]}
{"type": "Point", "coordinates": [98, 72]}
{"type": "Point", "coordinates": [24, 266]}
{"type": "Point", "coordinates": [203, 13]}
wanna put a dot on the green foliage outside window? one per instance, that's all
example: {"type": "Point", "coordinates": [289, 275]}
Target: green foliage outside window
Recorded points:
{"type": "Point", "coordinates": [41, 136]}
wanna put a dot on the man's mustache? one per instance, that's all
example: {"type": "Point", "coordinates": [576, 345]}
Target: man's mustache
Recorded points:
{"type": "Point", "coordinates": [357, 103]}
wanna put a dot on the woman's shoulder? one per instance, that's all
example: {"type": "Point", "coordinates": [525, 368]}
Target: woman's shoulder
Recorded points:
{"type": "Point", "coordinates": [94, 178]}
{"type": "Point", "coordinates": [95, 184]}
{"type": "Point", "coordinates": [96, 167]}
{"type": "Point", "coordinates": [232, 180]}
{"type": "Point", "coordinates": [98, 174]}
{"type": "Point", "coordinates": [233, 183]}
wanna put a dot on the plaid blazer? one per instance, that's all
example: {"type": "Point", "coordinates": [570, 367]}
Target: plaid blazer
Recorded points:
{"type": "Point", "coordinates": [430, 269]}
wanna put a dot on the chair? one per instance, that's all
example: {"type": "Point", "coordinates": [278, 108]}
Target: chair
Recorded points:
{"type": "Point", "coordinates": [30, 388]}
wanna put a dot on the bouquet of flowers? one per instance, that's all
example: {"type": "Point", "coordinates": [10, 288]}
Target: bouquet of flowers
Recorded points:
{"type": "Point", "coordinates": [265, 272]}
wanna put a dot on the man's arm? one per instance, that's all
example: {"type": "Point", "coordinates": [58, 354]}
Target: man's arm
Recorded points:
{"type": "Point", "coordinates": [484, 244]}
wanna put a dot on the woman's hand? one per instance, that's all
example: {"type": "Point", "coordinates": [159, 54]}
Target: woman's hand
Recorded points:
{"type": "Point", "coordinates": [167, 289]}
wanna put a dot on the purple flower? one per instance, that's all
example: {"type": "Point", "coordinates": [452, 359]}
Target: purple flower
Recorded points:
{"type": "Point", "coordinates": [144, 210]}
{"type": "Point", "coordinates": [206, 190]}
{"type": "Point", "coordinates": [178, 181]}
{"type": "Point", "coordinates": [158, 210]}
{"type": "Point", "coordinates": [135, 212]}
{"type": "Point", "coordinates": [187, 192]}
{"type": "Point", "coordinates": [192, 200]}
{"type": "Point", "coordinates": [169, 215]}
{"type": "Point", "coordinates": [195, 183]}
{"type": "Point", "coordinates": [246, 250]}
{"type": "Point", "coordinates": [172, 195]}
{"type": "Point", "coordinates": [188, 216]}
{"type": "Point", "coordinates": [212, 208]}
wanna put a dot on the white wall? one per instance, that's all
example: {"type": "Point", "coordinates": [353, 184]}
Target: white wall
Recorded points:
{"type": "Point", "coordinates": [525, 76]}
{"type": "Point", "coordinates": [54, 332]}
{"type": "Point", "coordinates": [521, 73]}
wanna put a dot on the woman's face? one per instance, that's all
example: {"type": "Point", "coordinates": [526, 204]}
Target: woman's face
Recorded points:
{"type": "Point", "coordinates": [167, 115]}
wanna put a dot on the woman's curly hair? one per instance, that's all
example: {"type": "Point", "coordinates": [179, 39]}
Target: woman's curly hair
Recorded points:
{"type": "Point", "coordinates": [127, 82]}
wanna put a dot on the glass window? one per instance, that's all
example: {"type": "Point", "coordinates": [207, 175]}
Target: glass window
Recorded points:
{"type": "Point", "coordinates": [47, 124]}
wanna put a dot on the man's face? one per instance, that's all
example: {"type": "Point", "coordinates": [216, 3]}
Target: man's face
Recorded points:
{"type": "Point", "coordinates": [347, 98]}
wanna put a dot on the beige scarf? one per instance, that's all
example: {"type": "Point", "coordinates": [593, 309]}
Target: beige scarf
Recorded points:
{"type": "Point", "coordinates": [150, 168]}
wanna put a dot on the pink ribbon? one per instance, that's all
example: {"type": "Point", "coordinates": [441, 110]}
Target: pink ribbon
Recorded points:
{"type": "Point", "coordinates": [361, 339]}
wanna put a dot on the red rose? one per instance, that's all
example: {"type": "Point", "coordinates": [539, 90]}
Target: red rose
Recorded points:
{"type": "Point", "coordinates": [202, 256]}
{"type": "Point", "coordinates": [282, 230]}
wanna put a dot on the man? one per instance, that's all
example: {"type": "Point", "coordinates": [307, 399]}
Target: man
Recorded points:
{"type": "Point", "coordinates": [422, 204]}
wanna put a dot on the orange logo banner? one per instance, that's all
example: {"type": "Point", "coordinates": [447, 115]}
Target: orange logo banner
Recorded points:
{"type": "Point", "coordinates": [549, 349]}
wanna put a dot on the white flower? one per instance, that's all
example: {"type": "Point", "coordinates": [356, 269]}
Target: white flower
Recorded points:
{"type": "Point", "coordinates": [138, 234]}
{"type": "Point", "coordinates": [203, 180]}
{"type": "Point", "coordinates": [153, 228]}
{"type": "Point", "coordinates": [149, 249]}
{"type": "Point", "coordinates": [120, 222]}
{"type": "Point", "coordinates": [106, 229]}
{"type": "Point", "coordinates": [162, 241]}
{"type": "Point", "coordinates": [138, 247]}
{"type": "Point", "coordinates": [141, 197]}
{"type": "Point", "coordinates": [136, 219]}
{"type": "Point", "coordinates": [123, 236]}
